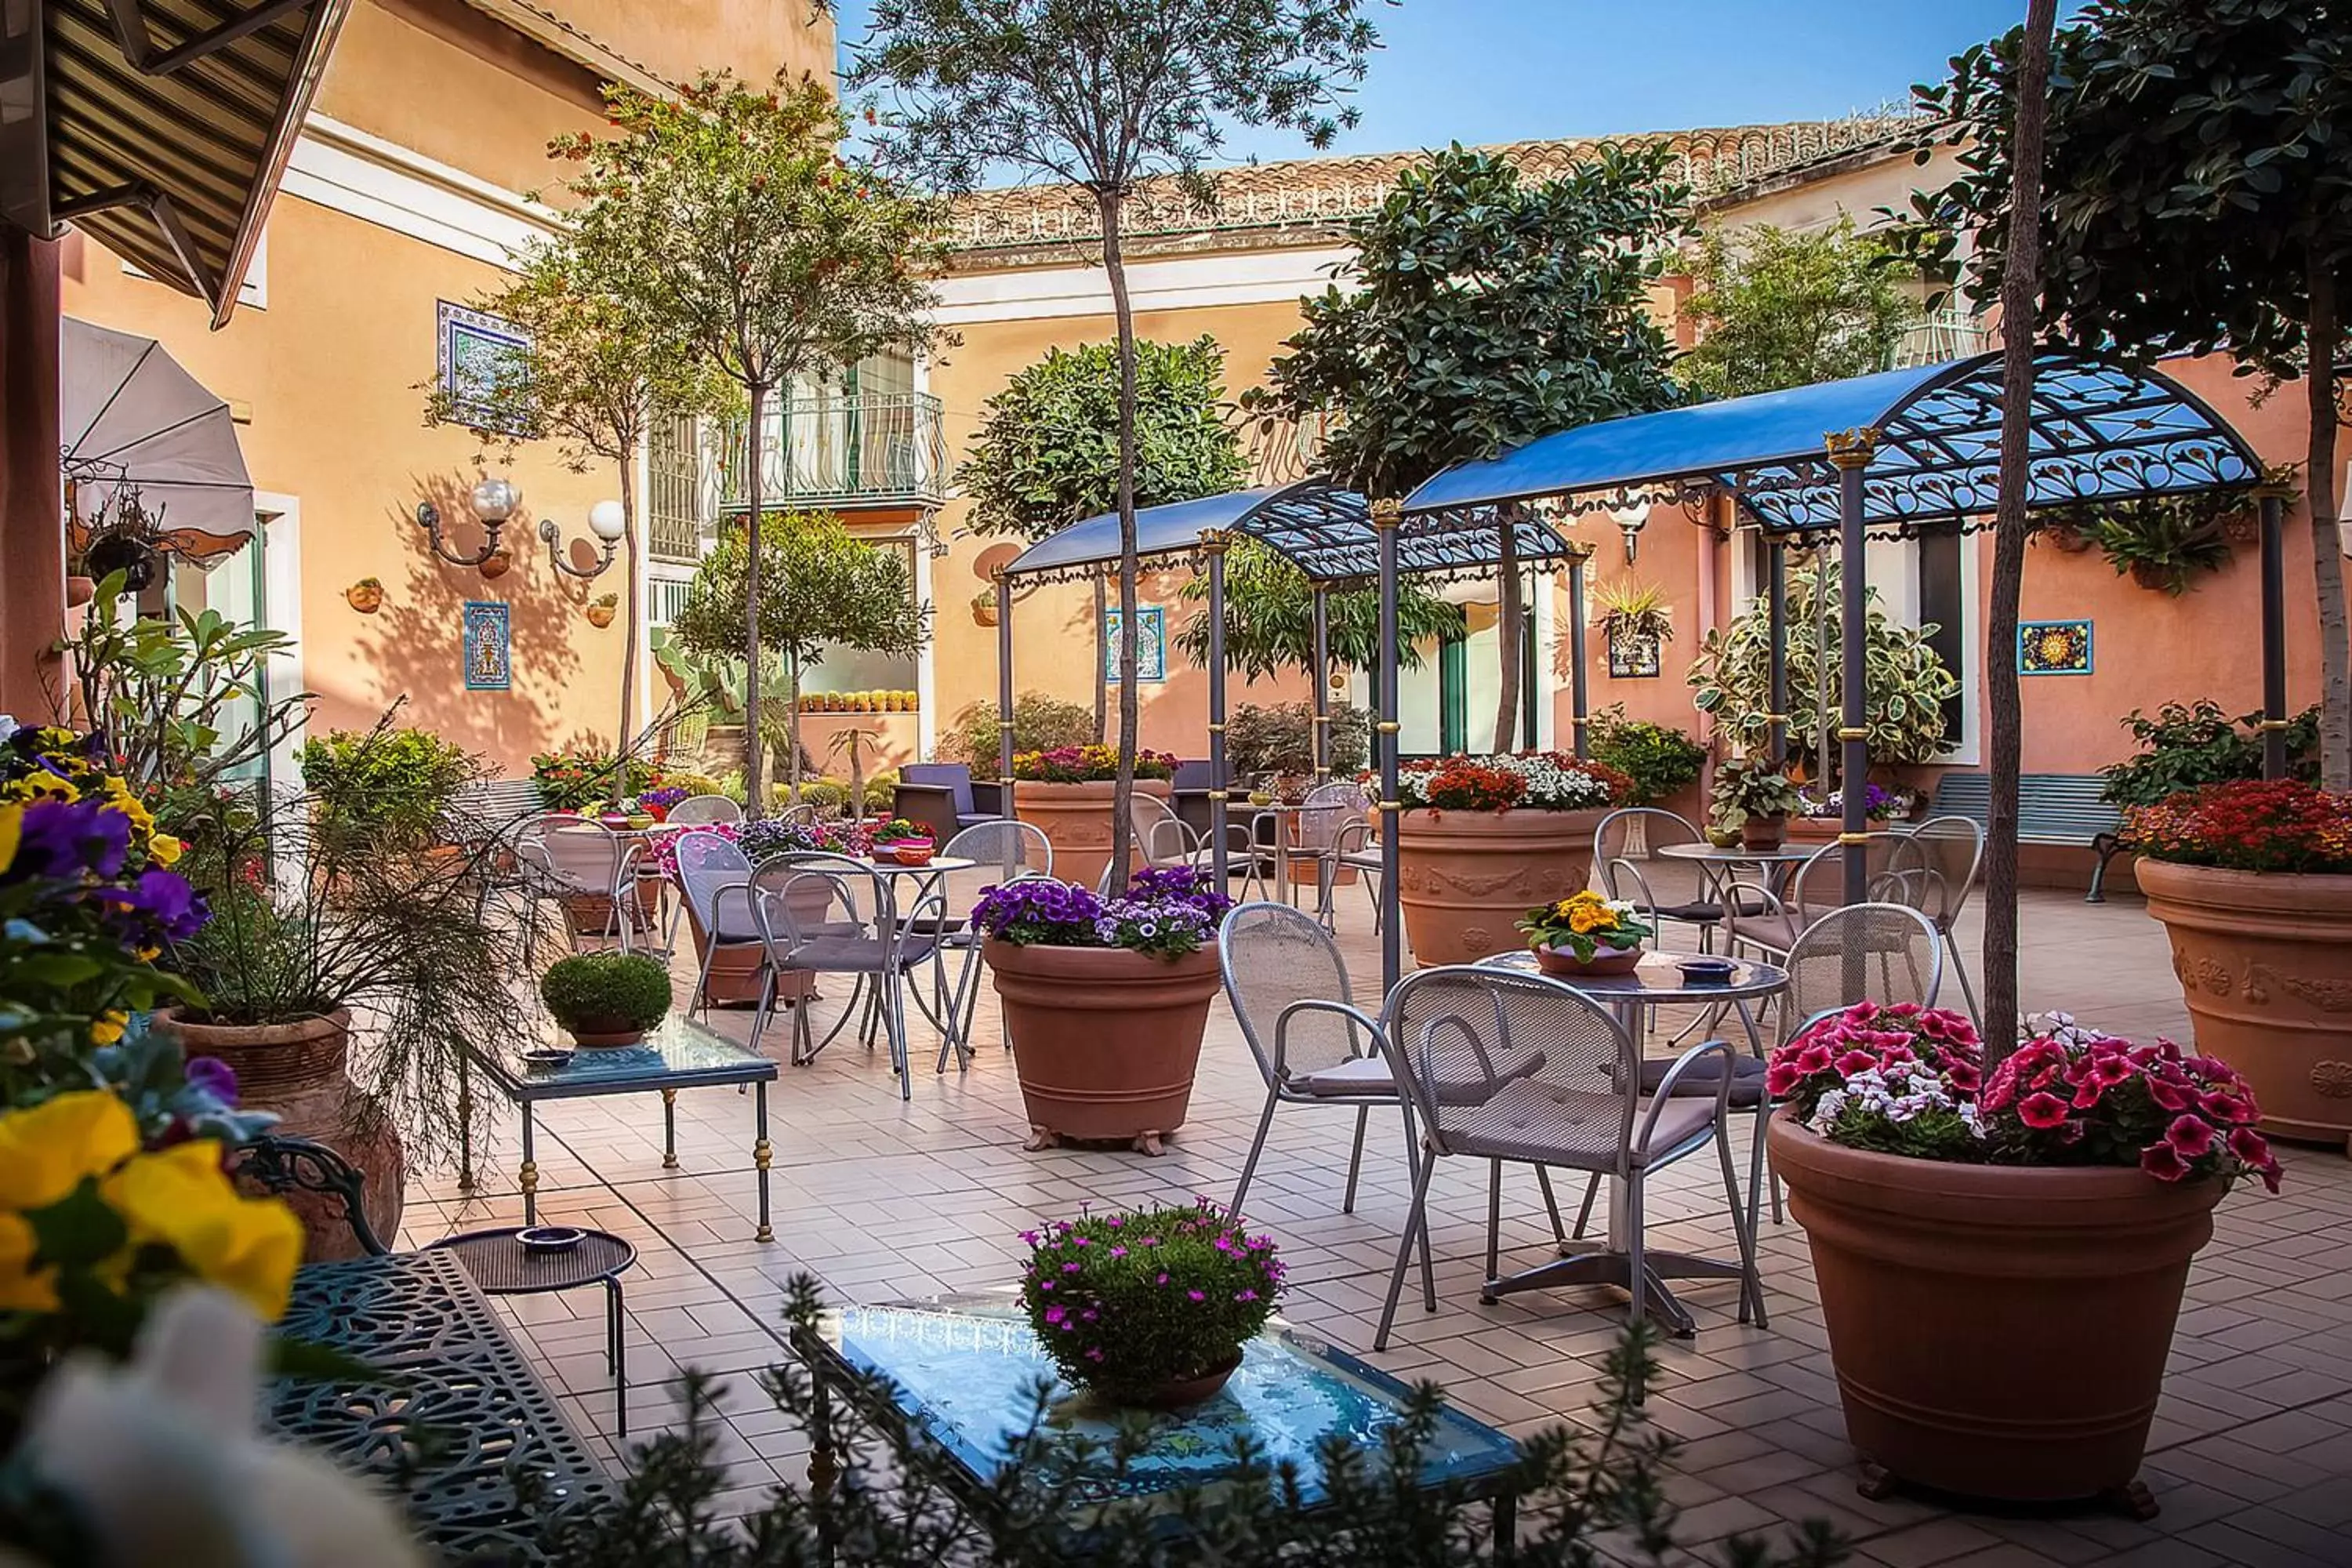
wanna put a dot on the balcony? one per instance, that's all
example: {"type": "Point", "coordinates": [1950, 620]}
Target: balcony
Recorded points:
{"type": "Point", "coordinates": [845, 451]}
{"type": "Point", "coordinates": [1941, 335]}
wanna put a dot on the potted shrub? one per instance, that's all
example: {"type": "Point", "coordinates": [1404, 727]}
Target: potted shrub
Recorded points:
{"type": "Point", "coordinates": [905, 842]}
{"type": "Point", "coordinates": [1481, 839]}
{"type": "Point", "coordinates": [1104, 1001]}
{"type": "Point", "coordinates": [339, 994]}
{"type": "Point", "coordinates": [1149, 1309]}
{"type": "Point", "coordinates": [385, 790]}
{"type": "Point", "coordinates": [1754, 799]}
{"type": "Point", "coordinates": [606, 998]}
{"type": "Point", "coordinates": [2000, 1257]}
{"type": "Point", "coordinates": [2253, 883]}
{"type": "Point", "coordinates": [1066, 792]}
{"type": "Point", "coordinates": [1586, 933]}
{"type": "Point", "coordinates": [1658, 760]}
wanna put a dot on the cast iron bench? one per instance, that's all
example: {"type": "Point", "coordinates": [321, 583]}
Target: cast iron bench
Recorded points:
{"type": "Point", "coordinates": [2052, 808]}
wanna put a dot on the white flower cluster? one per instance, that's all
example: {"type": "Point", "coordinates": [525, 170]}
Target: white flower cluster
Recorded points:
{"type": "Point", "coordinates": [1900, 1091]}
{"type": "Point", "coordinates": [2062, 1028]}
{"type": "Point", "coordinates": [1554, 788]}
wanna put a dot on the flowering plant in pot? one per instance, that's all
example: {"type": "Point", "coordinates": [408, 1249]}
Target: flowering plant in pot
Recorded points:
{"type": "Point", "coordinates": [774, 836]}
{"type": "Point", "coordinates": [656, 802]}
{"type": "Point", "coordinates": [606, 998]}
{"type": "Point", "coordinates": [2253, 881]}
{"type": "Point", "coordinates": [1104, 1000]}
{"type": "Point", "coordinates": [1088, 764]}
{"type": "Point", "coordinates": [1066, 792]}
{"type": "Point", "coordinates": [1756, 798]}
{"type": "Point", "coordinates": [2001, 1254]}
{"type": "Point", "coordinates": [1151, 1308]}
{"type": "Point", "coordinates": [1482, 838]}
{"type": "Point", "coordinates": [1586, 933]}
{"type": "Point", "coordinates": [908, 843]}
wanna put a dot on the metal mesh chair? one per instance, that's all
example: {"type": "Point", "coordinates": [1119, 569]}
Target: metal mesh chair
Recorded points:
{"type": "Point", "coordinates": [1357, 847]}
{"type": "Point", "coordinates": [1006, 851]}
{"type": "Point", "coordinates": [1935, 866]}
{"type": "Point", "coordinates": [1626, 859]}
{"type": "Point", "coordinates": [714, 880]}
{"type": "Point", "coordinates": [1772, 922]}
{"type": "Point", "coordinates": [575, 859]}
{"type": "Point", "coordinates": [1323, 816]}
{"type": "Point", "coordinates": [1458, 1037]}
{"type": "Point", "coordinates": [806, 908]}
{"type": "Point", "coordinates": [701, 809]}
{"type": "Point", "coordinates": [1166, 840]}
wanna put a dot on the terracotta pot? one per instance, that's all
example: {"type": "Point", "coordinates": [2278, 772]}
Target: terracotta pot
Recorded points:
{"type": "Point", "coordinates": [1075, 818]}
{"type": "Point", "coordinates": [79, 590]}
{"type": "Point", "coordinates": [598, 1033]}
{"type": "Point", "coordinates": [1563, 963]}
{"type": "Point", "coordinates": [1999, 1331]}
{"type": "Point", "coordinates": [1105, 1041]}
{"type": "Point", "coordinates": [1177, 1393]}
{"type": "Point", "coordinates": [299, 1071]}
{"type": "Point", "coordinates": [1810, 829]}
{"type": "Point", "coordinates": [1765, 833]}
{"type": "Point", "coordinates": [734, 980]}
{"type": "Point", "coordinates": [1463, 878]}
{"type": "Point", "coordinates": [2265, 966]}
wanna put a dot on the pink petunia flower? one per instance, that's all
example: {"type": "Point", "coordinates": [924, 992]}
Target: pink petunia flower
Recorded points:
{"type": "Point", "coordinates": [2235, 1109]}
{"type": "Point", "coordinates": [2191, 1137]}
{"type": "Point", "coordinates": [2163, 1162]}
{"type": "Point", "coordinates": [2041, 1110]}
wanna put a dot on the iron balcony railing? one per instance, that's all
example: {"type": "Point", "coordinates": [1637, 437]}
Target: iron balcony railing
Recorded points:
{"type": "Point", "coordinates": [848, 450]}
{"type": "Point", "coordinates": [1941, 335]}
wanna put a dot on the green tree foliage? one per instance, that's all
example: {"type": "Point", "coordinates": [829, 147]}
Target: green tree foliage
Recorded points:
{"type": "Point", "coordinates": [601, 369]}
{"type": "Point", "coordinates": [1047, 454]}
{"type": "Point", "coordinates": [1779, 308]}
{"type": "Point", "coordinates": [1487, 311]}
{"type": "Point", "coordinates": [817, 587]}
{"type": "Point", "coordinates": [761, 248]}
{"type": "Point", "coordinates": [2196, 198]}
{"type": "Point", "coordinates": [1270, 619]}
{"type": "Point", "coordinates": [1103, 96]}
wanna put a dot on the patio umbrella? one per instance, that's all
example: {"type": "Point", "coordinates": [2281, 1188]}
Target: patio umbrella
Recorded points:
{"type": "Point", "coordinates": [134, 424]}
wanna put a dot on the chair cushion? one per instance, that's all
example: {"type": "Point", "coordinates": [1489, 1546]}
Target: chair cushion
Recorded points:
{"type": "Point", "coordinates": [1355, 1076]}
{"type": "Point", "coordinates": [1774, 932]}
{"type": "Point", "coordinates": [854, 955]}
{"type": "Point", "coordinates": [1747, 1078]}
{"type": "Point", "coordinates": [1546, 1123]}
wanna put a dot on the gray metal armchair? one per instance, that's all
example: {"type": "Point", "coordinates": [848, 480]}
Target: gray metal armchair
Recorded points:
{"type": "Point", "coordinates": [1936, 865]}
{"type": "Point", "coordinates": [1456, 1037]}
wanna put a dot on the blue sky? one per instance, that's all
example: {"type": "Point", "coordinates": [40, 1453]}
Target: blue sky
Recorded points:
{"type": "Point", "coordinates": [1502, 70]}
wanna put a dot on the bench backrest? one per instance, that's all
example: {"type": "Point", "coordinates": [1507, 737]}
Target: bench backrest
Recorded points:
{"type": "Point", "coordinates": [2062, 806]}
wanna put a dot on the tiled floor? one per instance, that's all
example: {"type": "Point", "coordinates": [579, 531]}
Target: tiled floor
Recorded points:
{"type": "Point", "coordinates": [2252, 1454]}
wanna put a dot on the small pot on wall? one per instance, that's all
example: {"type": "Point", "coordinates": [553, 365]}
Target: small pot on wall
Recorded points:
{"type": "Point", "coordinates": [496, 564]}
{"type": "Point", "coordinates": [366, 595]}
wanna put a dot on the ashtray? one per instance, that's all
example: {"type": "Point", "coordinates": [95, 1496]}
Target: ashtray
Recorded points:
{"type": "Point", "coordinates": [550, 1237]}
{"type": "Point", "coordinates": [548, 1059]}
{"type": "Point", "coordinates": [1708, 971]}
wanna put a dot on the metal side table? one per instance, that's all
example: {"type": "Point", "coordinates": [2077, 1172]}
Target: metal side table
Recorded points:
{"type": "Point", "coordinates": [500, 1265]}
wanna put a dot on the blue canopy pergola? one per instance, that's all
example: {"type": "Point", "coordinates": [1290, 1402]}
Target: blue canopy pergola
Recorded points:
{"type": "Point", "coordinates": [1899, 450]}
{"type": "Point", "coordinates": [1328, 533]}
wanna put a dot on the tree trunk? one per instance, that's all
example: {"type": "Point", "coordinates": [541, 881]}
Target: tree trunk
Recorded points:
{"type": "Point", "coordinates": [755, 748]}
{"type": "Point", "coordinates": [1129, 704]}
{"type": "Point", "coordinates": [1507, 611]}
{"type": "Point", "coordinates": [1102, 663]}
{"type": "Point", "coordinates": [2325, 336]}
{"type": "Point", "coordinates": [2021, 302]}
{"type": "Point", "coordinates": [792, 724]}
{"type": "Point", "coordinates": [624, 744]}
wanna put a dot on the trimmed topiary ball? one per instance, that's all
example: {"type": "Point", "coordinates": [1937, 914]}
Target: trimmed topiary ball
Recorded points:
{"type": "Point", "coordinates": [606, 991]}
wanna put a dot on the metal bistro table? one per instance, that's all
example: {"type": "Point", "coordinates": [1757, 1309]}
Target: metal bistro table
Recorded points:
{"type": "Point", "coordinates": [1657, 979]}
{"type": "Point", "coordinates": [677, 1054]}
{"type": "Point", "coordinates": [459, 1414]}
{"type": "Point", "coordinates": [1722, 862]}
{"type": "Point", "coordinates": [964, 1368]}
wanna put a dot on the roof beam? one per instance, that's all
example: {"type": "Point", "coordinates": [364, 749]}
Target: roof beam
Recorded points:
{"type": "Point", "coordinates": [138, 39]}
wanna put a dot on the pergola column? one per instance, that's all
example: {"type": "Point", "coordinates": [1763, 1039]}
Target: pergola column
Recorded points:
{"type": "Point", "coordinates": [1321, 739]}
{"type": "Point", "coordinates": [1776, 619]}
{"type": "Point", "coordinates": [32, 520]}
{"type": "Point", "coordinates": [1387, 517]}
{"type": "Point", "coordinates": [1213, 544]}
{"type": "Point", "coordinates": [2272, 500]}
{"type": "Point", "coordinates": [1851, 451]}
{"type": "Point", "coordinates": [1003, 693]}
{"type": "Point", "coordinates": [1580, 693]}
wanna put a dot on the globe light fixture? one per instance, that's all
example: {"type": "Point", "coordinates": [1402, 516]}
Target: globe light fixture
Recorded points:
{"type": "Point", "coordinates": [606, 520]}
{"type": "Point", "coordinates": [494, 501]}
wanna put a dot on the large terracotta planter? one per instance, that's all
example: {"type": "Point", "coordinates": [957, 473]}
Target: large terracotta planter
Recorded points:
{"type": "Point", "coordinates": [299, 1071]}
{"type": "Point", "coordinates": [1105, 1041]}
{"type": "Point", "coordinates": [1465, 876]}
{"type": "Point", "coordinates": [1075, 819]}
{"type": "Point", "coordinates": [2265, 966]}
{"type": "Point", "coordinates": [1999, 1331]}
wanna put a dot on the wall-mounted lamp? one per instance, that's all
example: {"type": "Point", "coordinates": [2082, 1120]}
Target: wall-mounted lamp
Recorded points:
{"type": "Point", "coordinates": [494, 501]}
{"type": "Point", "coordinates": [1630, 521]}
{"type": "Point", "coordinates": [606, 520]}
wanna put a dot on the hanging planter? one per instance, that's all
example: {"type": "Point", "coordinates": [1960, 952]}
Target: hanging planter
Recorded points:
{"type": "Point", "coordinates": [366, 595]}
{"type": "Point", "coordinates": [496, 564]}
{"type": "Point", "coordinates": [599, 612]}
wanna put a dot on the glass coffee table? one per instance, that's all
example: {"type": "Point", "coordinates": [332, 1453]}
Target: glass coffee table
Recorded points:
{"type": "Point", "coordinates": [966, 1369]}
{"type": "Point", "coordinates": [676, 1054]}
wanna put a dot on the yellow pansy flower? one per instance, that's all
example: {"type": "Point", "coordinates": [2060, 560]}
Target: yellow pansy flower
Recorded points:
{"type": "Point", "coordinates": [12, 834]}
{"type": "Point", "coordinates": [44, 786]}
{"type": "Point", "coordinates": [181, 1198]}
{"type": "Point", "coordinates": [107, 1027]}
{"type": "Point", "coordinates": [165, 849]}
{"type": "Point", "coordinates": [44, 1152]}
